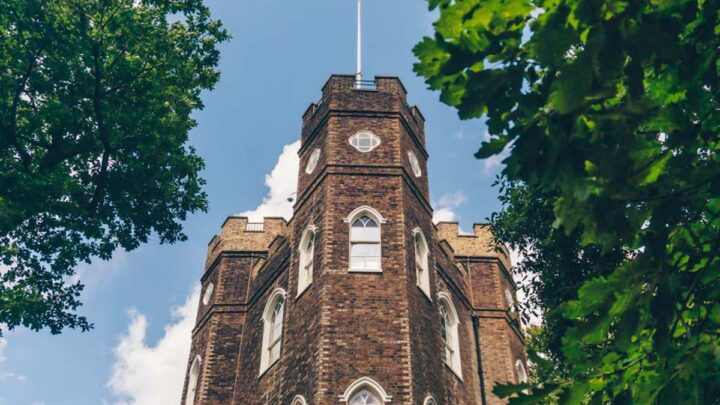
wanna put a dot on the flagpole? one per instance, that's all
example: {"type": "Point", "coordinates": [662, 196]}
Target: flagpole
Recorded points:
{"type": "Point", "coordinates": [358, 76]}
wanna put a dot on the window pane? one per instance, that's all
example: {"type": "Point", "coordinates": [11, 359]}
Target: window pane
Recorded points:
{"type": "Point", "coordinates": [372, 263]}
{"type": "Point", "coordinates": [275, 352]}
{"type": "Point", "coordinates": [365, 256]}
{"type": "Point", "coordinates": [364, 397]}
{"type": "Point", "coordinates": [357, 233]}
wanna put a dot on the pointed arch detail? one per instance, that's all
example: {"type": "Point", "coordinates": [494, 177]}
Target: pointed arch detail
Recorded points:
{"type": "Point", "coordinates": [368, 384]}
{"type": "Point", "coordinates": [299, 400]}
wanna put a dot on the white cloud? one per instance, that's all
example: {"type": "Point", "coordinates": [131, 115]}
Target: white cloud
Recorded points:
{"type": "Point", "coordinates": [151, 375]}
{"type": "Point", "coordinates": [444, 208]}
{"type": "Point", "coordinates": [282, 184]}
{"type": "Point", "coordinates": [12, 376]}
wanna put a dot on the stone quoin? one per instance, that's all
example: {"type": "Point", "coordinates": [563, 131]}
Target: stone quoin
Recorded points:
{"type": "Point", "coordinates": [359, 299]}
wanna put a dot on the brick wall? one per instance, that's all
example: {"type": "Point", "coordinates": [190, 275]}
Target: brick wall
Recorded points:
{"type": "Point", "coordinates": [348, 325]}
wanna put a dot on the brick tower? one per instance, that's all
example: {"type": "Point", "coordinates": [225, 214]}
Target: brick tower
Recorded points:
{"type": "Point", "coordinates": [359, 299]}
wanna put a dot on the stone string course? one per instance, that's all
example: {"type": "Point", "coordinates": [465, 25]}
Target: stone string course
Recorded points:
{"type": "Point", "coordinates": [350, 325]}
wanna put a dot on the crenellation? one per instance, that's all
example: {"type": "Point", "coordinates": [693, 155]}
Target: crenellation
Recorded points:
{"type": "Point", "coordinates": [480, 243]}
{"type": "Point", "coordinates": [352, 317]}
{"type": "Point", "coordinates": [238, 234]}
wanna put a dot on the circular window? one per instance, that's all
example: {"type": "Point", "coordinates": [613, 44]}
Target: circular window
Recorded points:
{"type": "Point", "coordinates": [414, 164]}
{"type": "Point", "coordinates": [208, 293]}
{"type": "Point", "coordinates": [364, 141]}
{"type": "Point", "coordinates": [312, 162]}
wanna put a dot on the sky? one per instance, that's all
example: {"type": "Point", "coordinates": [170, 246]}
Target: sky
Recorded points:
{"type": "Point", "coordinates": [143, 303]}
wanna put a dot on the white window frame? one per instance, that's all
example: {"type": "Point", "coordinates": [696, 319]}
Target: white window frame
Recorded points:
{"type": "Point", "coordinates": [509, 299]}
{"type": "Point", "coordinates": [313, 161]}
{"type": "Point", "coordinates": [366, 133]}
{"type": "Point", "coordinates": [422, 262]}
{"type": "Point", "coordinates": [373, 214]}
{"type": "Point", "coordinates": [414, 164]}
{"type": "Point", "coordinates": [429, 401]}
{"type": "Point", "coordinates": [306, 265]}
{"type": "Point", "coordinates": [193, 380]}
{"type": "Point", "coordinates": [365, 383]}
{"type": "Point", "coordinates": [207, 295]}
{"type": "Point", "coordinates": [451, 353]}
{"type": "Point", "coordinates": [299, 400]}
{"type": "Point", "coordinates": [268, 327]}
{"type": "Point", "coordinates": [522, 374]}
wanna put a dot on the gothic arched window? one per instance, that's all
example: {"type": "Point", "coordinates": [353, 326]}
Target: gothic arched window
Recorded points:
{"type": "Point", "coordinates": [429, 401]}
{"type": "Point", "coordinates": [272, 331]}
{"type": "Point", "coordinates": [299, 400]}
{"type": "Point", "coordinates": [449, 322]}
{"type": "Point", "coordinates": [422, 267]}
{"type": "Point", "coordinates": [193, 381]}
{"type": "Point", "coordinates": [307, 259]}
{"type": "Point", "coordinates": [365, 397]}
{"type": "Point", "coordinates": [365, 391]}
{"type": "Point", "coordinates": [365, 240]}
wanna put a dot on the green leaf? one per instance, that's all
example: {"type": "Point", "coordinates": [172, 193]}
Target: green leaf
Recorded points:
{"type": "Point", "coordinates": [575, 394]}
{"type": "Point", "coordinates": [494, 147]}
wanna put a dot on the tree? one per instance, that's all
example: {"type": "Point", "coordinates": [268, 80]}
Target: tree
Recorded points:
{"type": "Point", "coordinates": [609, 110]}
{"type": "Point", "coordinates": [554, 265]}
{"type": "Point", "coordinates": [95, 105]}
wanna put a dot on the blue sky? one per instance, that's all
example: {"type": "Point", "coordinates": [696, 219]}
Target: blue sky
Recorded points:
{"type": "Point", "coordinates": [142, 302]}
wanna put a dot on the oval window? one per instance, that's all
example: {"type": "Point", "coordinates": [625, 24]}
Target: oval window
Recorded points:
{"type": "Point", "coordinates": [509, 298]}
{"type": "Point", "coordinates": [414, 164]}
{"type": "Point", "coordinates": [208, 293]}
{"type": "Point", "coordinates": [364, 141]}
{"type": "Point", "coordinates": [313, 161]}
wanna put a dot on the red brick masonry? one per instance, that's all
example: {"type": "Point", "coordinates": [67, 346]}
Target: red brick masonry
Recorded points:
{"type": "Point", "coordinates": [350, 325]}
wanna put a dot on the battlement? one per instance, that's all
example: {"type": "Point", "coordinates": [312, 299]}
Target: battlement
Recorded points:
{"type": "Point", "coordinates": [384, 94]}
{"type": "Point", "coordinates": [480, 243]}
{"type": "Point", "coordinates": [238, 234]}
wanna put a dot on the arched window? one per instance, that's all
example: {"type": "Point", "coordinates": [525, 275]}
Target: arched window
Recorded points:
{"type": "Point", "coordinates": [365, 240]}
{"type": "Point", "coordinates": [365, 397]}
{"type": "Point", "coordinates": [273, 328]}
{"type": "Point", "coordinates": [449, 322]}
{"type": "Point", "coordinates": [193, 381]}
{"type": "Point", "coordinates": [521, 372]}
{"type": "Point", "coordinates": [422, 267]}
{"type": "Point", "coordinates": [365, 391]}
{"type": "Point", "coordinates": [429, 401]}
{"type": "Point", "coordinates": [307, 258]}
{"type": "Point", "coordinates": [299, 400]}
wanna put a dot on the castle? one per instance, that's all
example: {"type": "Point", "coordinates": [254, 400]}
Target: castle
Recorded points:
{"type": "Point", "coordinates": [359, 299]}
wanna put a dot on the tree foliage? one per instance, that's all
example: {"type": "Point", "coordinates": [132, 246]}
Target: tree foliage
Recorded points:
{"type": "Point", "coordinates": [96, 99]}
{"type": "Point", "coordinates": [610, 110]}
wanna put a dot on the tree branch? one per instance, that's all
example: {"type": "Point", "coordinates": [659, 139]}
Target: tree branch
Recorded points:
{"type": "Point", "coordinates": [101, 178]}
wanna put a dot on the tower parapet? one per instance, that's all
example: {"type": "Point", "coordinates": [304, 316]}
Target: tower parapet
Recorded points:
{"type": "Point", "coordinates": [480, 243]}
{"type": "Point", "coordinates": [359, 297]}
{"type": "Point", "coordinates": [385, 94]}
{"type": "Point", "coordinates": [238, 234]}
